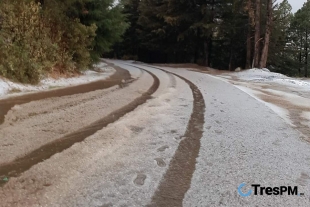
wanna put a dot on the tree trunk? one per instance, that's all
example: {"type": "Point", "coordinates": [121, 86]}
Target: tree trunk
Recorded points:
{"type": "Point", "coordinates": [263, 61]}
{"type": "Point", "coordinates": [210, 50]}
{"type": "Point", "coordinates": [208, 44]}
{"type": "Point", "coordinates": [231, 65]}
{"type": "Point", "coordinates": [249, 46]}
{"type": "Point", "coordinates": [206, 52]}
{"type": "Point", "coordinates": [306, 54]}
{"type": "Point", "coordinates": [249, 35]}
{"type": "Point", "coordinates": [257, 33]}
{"type": "Point", "coordinates": [300, 55]}
{"type": "Point", "coordinates": [196, 54]}
{"type": "Point", "coordinates": [197, 47]}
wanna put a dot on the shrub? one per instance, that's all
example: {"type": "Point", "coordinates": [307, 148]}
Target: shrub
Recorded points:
{"type": "Point", "coordinates": [33, 40]}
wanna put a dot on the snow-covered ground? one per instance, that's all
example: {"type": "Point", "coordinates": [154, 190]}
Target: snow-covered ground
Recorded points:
{"type": "Point", "coordinates": [9, 87]}
{"type": "Point", "coordinates": [120, 165]}
{"type": "Point", "coordinates": [123, 164]}
{"type": "Point", "coordinates": [264, 75]}
{"type": "Point", "coordinates": [288, 97]}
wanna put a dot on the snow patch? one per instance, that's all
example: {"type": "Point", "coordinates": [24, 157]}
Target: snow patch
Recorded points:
{"type": "Point", "coordinates": [264, 75]}
{"type": "Point", "coordinates": [4, 87]}
{"type": "Point", "coordinates": [292, 98]}
{"type": "Point", "coordinates": [102, 72]}
{"type": "Point", "coordinates": [258, 75]}
{"type": "Point", "coordinates": [306, 115]}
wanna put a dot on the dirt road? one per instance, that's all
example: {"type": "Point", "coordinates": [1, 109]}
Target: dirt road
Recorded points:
{"type": "Point", "coordinates": [152, 136]}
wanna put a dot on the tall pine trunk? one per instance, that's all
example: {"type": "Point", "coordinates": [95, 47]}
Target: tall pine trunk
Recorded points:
{"type": "Point", "coordinates": [300, 55]}
{"type": "Point", "coordinates": [206, 52]}
{"type": "Point", "coordinates": [210, 49]}
{"type": "Point", "coordinates": [231, 56]}
{"type": "Point", "coordinates": [208, 41]}
{"type": "Point", "coordinates": [249, 46]}
{"type": "Point", "coordinates": [257, 33]}
{"type": "Point", "coordinates": [306, 54]}
{"type": "Point", "coordinates": [263, 61]}
{"type": "Point", "coordinates": [197, 47]}
{"type": "Point", "coordinates": [196, 54]}
{"type": "Point", "coordinates": [250, 11]}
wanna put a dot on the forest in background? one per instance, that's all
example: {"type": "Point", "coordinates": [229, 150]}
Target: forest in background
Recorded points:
{"type": "Point", "coordinates": [223, 34]}
{"type": "Point", "coordinates": [38, 37]}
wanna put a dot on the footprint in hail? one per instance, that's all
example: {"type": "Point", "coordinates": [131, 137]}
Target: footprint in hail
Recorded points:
{"type": "Point", "coordinates": [139, 181]}
{"type": "Point", "coordinates": [160, 162]}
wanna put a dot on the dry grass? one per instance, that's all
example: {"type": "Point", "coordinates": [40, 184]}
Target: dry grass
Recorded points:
{"type": "Point", "coordinates": [58, 72]}
{"type": "Point", "coordinates": [14, 90]}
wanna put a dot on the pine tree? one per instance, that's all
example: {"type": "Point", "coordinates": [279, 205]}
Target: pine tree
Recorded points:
{"type": "Point", "coordinates": [263, 61]}
{"type": "Point", "coordinates": [110, 22]}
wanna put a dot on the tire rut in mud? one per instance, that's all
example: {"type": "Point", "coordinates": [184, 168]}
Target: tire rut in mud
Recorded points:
{"type": "Point", "coordinates": [20, 165]}
{"type": "Point", "coordinates": [115, 79]}
{"type": "Point", "coordinates": [177, 179]}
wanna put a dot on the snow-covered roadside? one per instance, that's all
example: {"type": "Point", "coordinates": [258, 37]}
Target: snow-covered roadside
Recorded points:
{"type": "Point", "coordinates": [282, 112]}
{"type": "Point", "coordinates": [8, 87]}
{"type": "Point", "coordinates": [264, 75]}
{"type": "Point", "coordinates": [287, 97]}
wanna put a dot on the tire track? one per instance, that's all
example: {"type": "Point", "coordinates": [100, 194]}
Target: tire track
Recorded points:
{"type": "Point", "coordinates": [173, 82]}
{"type": "Point", "coordinates": [115, 79]}
{"type": "Point", "coordinates": [20, 165]}
{"type": "Point", "coordinates": [177, 179]}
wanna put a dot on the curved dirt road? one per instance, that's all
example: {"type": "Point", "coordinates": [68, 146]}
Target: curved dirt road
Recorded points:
{"type": "Point", "coordinates": [166, 137]}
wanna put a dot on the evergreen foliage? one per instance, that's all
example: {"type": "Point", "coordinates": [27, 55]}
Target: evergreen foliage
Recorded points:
{"type": "Point", "coordinates": [223, 34]}
{"type": "Point", "coordinates": [37, 37]}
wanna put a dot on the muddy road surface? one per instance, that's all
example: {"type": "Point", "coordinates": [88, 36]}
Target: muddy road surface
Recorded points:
{"type": "Point", "coordinates": [148, 136]}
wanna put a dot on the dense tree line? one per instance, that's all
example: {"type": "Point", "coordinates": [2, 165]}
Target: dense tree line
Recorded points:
{"type": "Point", "coordinates": [298, 34]}
{"type": "Point", "coordinates": [290, 40]}
{"type": "Point", "coordinates": [38, 36]}
{"type": "Point", "coordinates": [224, 34]}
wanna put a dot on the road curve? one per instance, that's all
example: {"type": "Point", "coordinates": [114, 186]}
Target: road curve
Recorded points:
{"type": "Point", "coordinates": [192, 143]}
{"type": "Point", "coordinates": [22, 164]}
{"type": "Point", "coordinates": [115, 79]}
{"type": "Point", "coordinates": [41, 183]}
